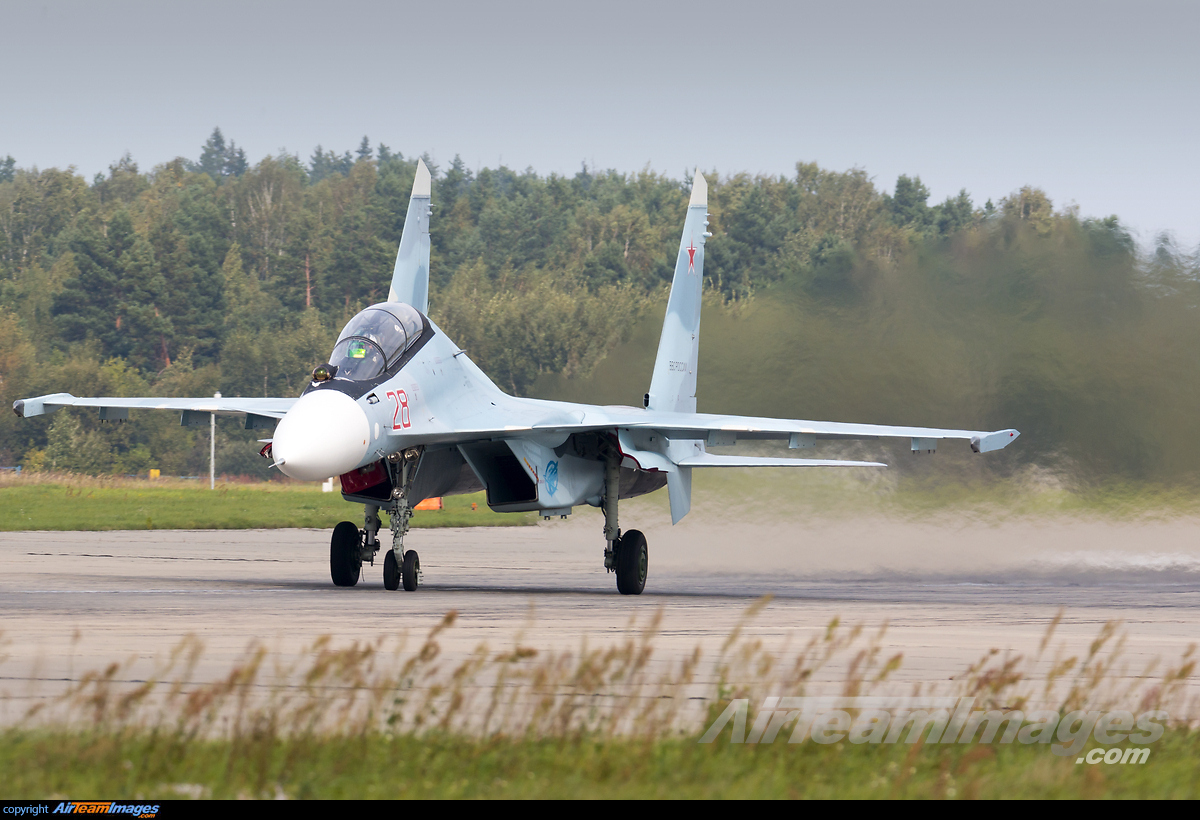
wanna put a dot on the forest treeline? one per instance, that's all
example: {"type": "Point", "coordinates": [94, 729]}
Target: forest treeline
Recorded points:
{"type": "Point", "coordinates": [218, 274]}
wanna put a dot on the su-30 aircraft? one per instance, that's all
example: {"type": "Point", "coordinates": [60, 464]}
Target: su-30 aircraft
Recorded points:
{"type": "Point", "coordinates": [402, 414]}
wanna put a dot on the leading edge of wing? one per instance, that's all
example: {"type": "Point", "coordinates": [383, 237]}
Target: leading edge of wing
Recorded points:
{"type": "Point", "coordinates": [713, 460]}
{"type": "Point", "coordinates": [678, 425]}
{"type": "Point", "coordinates": [271, 407]}
{"type": "Point", "coordinates": [693, 426]}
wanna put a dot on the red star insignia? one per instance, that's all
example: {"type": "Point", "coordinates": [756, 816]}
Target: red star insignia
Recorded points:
{"type": "Point", "coordinates": [691, 249]}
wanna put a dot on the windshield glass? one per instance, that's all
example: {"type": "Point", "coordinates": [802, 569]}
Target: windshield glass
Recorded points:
{"type": "Point", "coordinates": [410, 317]}
{"type": "Point", "coordinates": [374, 339]}
{"type": "Point", "coordinates": [381, 327]}
{"type": "Point", "coordinates": [357, 359]}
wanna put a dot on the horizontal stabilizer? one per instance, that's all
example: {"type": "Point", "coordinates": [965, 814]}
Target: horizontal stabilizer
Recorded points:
{"type": "Point", "coordinates": [711, 460]}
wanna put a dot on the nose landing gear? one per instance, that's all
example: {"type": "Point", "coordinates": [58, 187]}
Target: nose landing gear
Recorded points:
{"type": "Point", "coordinates": [400, 567]}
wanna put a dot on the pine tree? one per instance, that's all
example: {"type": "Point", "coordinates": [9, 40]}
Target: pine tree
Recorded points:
{"type": "Point", "coordinates": [235, 163]}
{"type": "Point", "coordinates": [908, 205]}
{"type": "Point", "coordinates": [247, 308]}
{"type": "Point", "coordinates": [115, 298]}
{"type": "Point", "coordinates": [326, 163]}
{"type": "Point", "coordinates": [213, 156]}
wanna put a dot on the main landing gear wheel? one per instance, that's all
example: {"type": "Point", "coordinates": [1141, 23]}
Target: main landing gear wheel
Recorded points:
{"type": "Point", "coordinates": [411, 571]}
{"type": "Point", "coordinates": [391, 571]}
{"type": "Point", "coordinates": [344, 559]}
{"type": "Point", "coordinates": [633, 559]}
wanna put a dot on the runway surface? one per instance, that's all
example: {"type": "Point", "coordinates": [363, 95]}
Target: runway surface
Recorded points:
{"type": "Point", "coordinates": [948, 591]}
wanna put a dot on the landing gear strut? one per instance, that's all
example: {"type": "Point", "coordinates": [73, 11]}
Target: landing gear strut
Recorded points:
{"type": "Point", "coordinates": [626, 554]}
{"type": "Point", "coordinates": [400, 567]}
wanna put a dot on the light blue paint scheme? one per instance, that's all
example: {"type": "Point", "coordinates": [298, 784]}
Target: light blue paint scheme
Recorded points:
{"type": "Point", "coordinates": [269, 407]}
{"type": "Point", "coordinates": [410, 279]}
{"type": "Point", "coordinates": [673, 384]}
{"type": "Point", "coordinates": [576, 481]}
{"type": "Point", "coordinates": [462, 418]}
{"type": "Point", "coordinates": [679, 492]}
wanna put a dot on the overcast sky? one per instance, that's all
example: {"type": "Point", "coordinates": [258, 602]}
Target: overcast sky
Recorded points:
{"type": "Point", "coordinates": [1096, 102]}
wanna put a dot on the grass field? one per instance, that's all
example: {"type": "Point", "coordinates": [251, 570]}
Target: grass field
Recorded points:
{"type": "Point", "coordinates": [33, 502]}
{"type": "Point", "coordinates": [129, 504]}
{"type": "Point", "coordinates": [378, 766]}
{"type": "Point", "coordinates": [376, 720]}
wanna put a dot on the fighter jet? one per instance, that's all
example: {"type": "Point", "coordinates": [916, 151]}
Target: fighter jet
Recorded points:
{"type": "Point", "coordinates": [400, 413]}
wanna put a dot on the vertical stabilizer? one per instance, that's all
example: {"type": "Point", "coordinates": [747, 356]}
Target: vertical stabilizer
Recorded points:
{"type": "Point", "coordinates": [410, 280]}
{"type": "Point", "coordinates": [673, 385]}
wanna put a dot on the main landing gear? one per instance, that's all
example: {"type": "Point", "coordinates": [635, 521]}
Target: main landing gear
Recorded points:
{"type": "Point", "coordinates": [350, 546]}
{"type": "Point", "coordinates": [345, 554]}
{"type": "Point", "coordinates": [627, 554]}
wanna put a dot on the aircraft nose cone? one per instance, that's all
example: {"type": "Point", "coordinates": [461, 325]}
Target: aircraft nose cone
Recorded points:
{"type": "Point", "coordinates": [324, 434]}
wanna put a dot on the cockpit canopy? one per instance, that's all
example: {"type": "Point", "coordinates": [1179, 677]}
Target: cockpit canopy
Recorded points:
{"type": "Point", "coordinates": [374, 339]}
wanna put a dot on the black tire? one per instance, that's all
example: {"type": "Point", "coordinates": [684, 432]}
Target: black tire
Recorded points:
{"type": "Point", "coordinates": [633, 562]}
{"type": "Point", "coordinates": [344, 560]}
{"type": "Point", "coordinates": [411, 571]}
{"type": "Point", "coordinates": [391, 571]}
{"type": "Point", "coordinates": [617, 566]}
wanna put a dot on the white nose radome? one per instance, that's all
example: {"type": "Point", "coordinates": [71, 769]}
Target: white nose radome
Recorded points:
{"type": "Point", "coordinates": [324, 434]}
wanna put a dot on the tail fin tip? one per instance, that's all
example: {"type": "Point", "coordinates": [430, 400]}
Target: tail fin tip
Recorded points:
{"type": "Point", "coordinates": [423, 183]}
{"type": "Point", "coordinates": [699, 190]}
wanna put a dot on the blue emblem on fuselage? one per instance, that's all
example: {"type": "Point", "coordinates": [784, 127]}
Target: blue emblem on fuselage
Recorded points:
{"type": "Point", "coordinates": [552, 477]}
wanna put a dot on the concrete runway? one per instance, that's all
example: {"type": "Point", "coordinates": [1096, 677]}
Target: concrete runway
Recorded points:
{"type": "Point", "coordinates": [948, 591]}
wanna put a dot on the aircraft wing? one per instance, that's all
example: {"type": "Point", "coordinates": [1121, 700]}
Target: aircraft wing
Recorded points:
{"type": "Point", "coordinates": [802, 433]}
{"type": "Point", "coordinates": [114, 408]}
{"type": "Point", "coordinates": [712, 429]}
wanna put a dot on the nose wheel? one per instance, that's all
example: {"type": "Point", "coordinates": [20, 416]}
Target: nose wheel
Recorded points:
{"type": "Point", "coordinates": [391, 571]}
{"type": "Point", "coordinates": [410, 572]}
{"type": "Point", "coordinates": [406, 572]}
